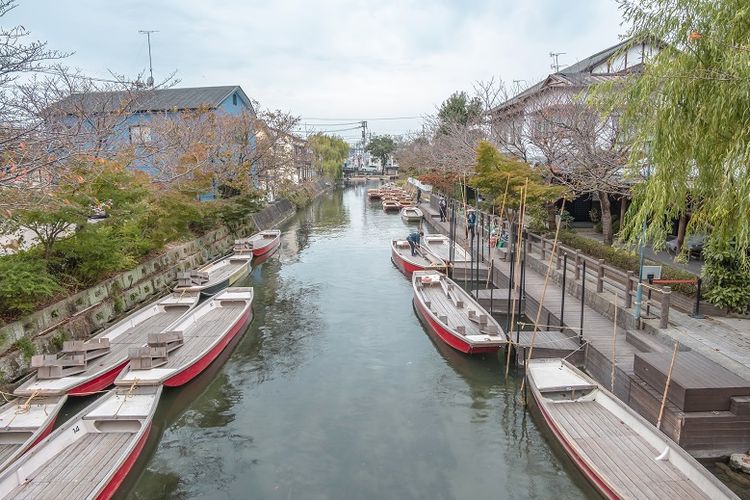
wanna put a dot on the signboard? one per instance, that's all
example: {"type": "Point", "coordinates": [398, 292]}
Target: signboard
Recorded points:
{"type": "Point", "coordinates": [651, 272]}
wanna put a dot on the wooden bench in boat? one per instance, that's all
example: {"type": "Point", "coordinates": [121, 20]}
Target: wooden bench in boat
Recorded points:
{"type": "Point", "coordinates": [75, 357]}
{"type": "Point", "coordinates": [156, 353]}
{"type": "Point", "coordinates": [242, 246]}
{"type": "Point", "coordinates": [191, 278]}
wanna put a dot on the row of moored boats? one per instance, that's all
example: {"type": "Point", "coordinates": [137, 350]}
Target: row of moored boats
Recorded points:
{"type": "Point", "coordinates": [164, 344]}
{"type": "Point", "coordinates": [619, 452]}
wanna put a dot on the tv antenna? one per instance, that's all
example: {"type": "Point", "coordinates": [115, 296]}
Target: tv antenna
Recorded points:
{"type": "Point", "coordinates": [150, 81]}
{"type": "Point", "coordinates": [555, 60]}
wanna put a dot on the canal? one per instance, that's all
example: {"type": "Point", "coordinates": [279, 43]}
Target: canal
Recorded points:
{"type": "Point", "coordinates": [337, 392]}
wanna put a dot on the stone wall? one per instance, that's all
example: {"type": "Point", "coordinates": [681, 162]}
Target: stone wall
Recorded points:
{"type": "Point", "coordinates": [82, 314]}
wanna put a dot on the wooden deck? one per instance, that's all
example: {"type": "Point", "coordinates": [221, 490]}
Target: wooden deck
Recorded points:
{"type": "Point", "coordinates": [6, 450]}
{"type": "Point", "coordinates": [442, 248]}
{"type": "Point", "coordinates": [227, 270]}
{"type": "Point", "coordinates": [77, 470]}
{"type": "Point", "coordinates": [621, 455]}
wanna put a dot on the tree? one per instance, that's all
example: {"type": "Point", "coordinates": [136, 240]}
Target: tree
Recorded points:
{"type": "Point", "coordinates": [48, 223]}
{"type": "Point", "coordinates": [329, 153]}
{"type": "Point", "coordinates": [687, 113]}
{"type": "Point", "coordinates": [382, 147]}
{"type": "Point", "coordinates": [459, 109]}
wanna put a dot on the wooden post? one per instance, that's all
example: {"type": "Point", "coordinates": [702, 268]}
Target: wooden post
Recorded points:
{"type": "Point", "coordinates": [666, 386]}
{"type": "Point", "coordinates": [629, 289]}
{"type": "Point", "coordinates": [578, 265]}
{"type": "Point", "coordinates": [542, 247]}
{"type": "Point", "coordinates": [600, 277]}
{"type": "Point", "coordinates": [666, 296]}
{"type": "Point", "coordinates": [558, 264]}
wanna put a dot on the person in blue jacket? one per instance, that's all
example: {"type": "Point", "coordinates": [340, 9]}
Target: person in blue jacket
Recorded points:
{"type": "Point", "coordinates": [471, 221]}
{"type": "Point", "coordinates": [414, 239]}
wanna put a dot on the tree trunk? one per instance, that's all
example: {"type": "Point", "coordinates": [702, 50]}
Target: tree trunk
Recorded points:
{"type": "Point", "coordinates": [681, 227]}
{"type": "Point", "coordinates": [623, 209]}
{"type": "Point", "coordinates": [606, 217]}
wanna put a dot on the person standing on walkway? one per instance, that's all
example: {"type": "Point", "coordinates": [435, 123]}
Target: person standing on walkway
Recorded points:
{"type": "Point", "coordinates": [443, 205]}
{"type": "Point", "coordinates": [419, 195]}
{"type": "Point", "coordinates": [414, 239]}
{"type": "Point", "coordinates": [471, 221]}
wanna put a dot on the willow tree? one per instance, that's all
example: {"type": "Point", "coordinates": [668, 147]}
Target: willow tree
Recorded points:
{"type": "Point", "coordinates": [688, 115]}
{"type": "Point", "coordinates": [329, 153]}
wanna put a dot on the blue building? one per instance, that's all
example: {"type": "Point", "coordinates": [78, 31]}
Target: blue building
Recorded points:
{"type": "Point", "coordinates": [111, 120]}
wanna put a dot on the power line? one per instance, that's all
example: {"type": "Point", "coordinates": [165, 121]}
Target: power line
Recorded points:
{"type": "Point", "coordinates": [368, 119]}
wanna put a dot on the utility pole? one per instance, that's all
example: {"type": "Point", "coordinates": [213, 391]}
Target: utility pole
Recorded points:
{"type": "Point", "coordinates": [150, 81]}
{"type": "Point", "coordinates": [555, 60]}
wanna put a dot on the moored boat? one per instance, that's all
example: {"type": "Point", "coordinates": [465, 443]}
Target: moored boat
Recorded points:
{"type": "Point", "coordinates": [176, 356]}
{"type": "Point", "coordinates": [411, 214]}
{"type": "Point", "coordinates": [408, 263]}
{"type": "Point", "coordinates": [453, 315]}
{"type": "Point", "coordinates": [440, 245]}
{"type": "Point", "coordinates": [373, 194]}
{"type": "Point", "coordinates": [216, 276]}
{"type": "Point", "coordinates": [83, 367]}
{"type": "Point", "coordinates": [260, 243]}
{"type": "Point", "coordinates": [617, 450]}
{"type": "Point", "coordinates": [391, 205]}
{"type": "Point", "coordinates": [24, 422]}
{"type": "Point", "coordinates": [91, 454]}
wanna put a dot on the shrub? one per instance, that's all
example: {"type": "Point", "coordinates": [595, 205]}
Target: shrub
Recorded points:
{"type": "Point", "coordinates": [24, 284]}
{"type": "Point", "coordinates": [91, 254]}
{"type": "Point", "coordinates": [26, 346]}
{"type": "Point", "coordinates": [729, 280]}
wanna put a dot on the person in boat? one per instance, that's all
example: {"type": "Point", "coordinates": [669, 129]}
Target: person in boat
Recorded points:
{"type": "Point", "coordinates": [414, 241]}
{"type": "Point", "coordinates": [443, 205]}
{"type": "Point", "coordinates": [471, 221]}
{"type": "Point", "coordinates": [419, 195]}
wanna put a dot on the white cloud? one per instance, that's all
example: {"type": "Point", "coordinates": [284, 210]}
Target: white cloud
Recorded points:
{"type": "Point", "coordinates": [330, 58]}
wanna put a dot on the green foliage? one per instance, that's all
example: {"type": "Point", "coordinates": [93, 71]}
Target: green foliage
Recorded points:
{"type": "Point", "coordinates": [26, 346]}
{"type": "Point", "coordinates": [494, 170]}
{"type": "Point", "coordinates": [382, 147]}
{"type": "Point", "coordinates": [24, 283]}
{"type": "Point", "coordinates": [57, 341]}
{"type": "Point", "coordinates": [625, 260]}
{"type": "Point", "coordinates": [94, 252]}
{"type": "Point", "coordinates": [459, 109]}
{"type": "Point", "coordinates": [50, 221]}
{"type": "Point", "coordinates": [329, 153]}
{"type": "Point", "coordinates": [233, 212]}
{"type": "Point", "coordinates": [728, 278]}
{"type": "Point", "coordinates": [688, 112]}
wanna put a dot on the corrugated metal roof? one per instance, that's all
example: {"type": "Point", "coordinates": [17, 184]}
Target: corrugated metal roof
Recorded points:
{"type": "Point", "coordinates": [148, 100]}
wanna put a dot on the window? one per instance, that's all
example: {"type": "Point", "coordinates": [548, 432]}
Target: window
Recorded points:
{"type": "Point", "coordinates": [234, 99]}
{"type": "Point", "coordinates": [140, 134]}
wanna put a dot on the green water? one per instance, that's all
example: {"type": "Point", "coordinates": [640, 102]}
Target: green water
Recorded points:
{"type": "Point", "coordinates": [337, 392]}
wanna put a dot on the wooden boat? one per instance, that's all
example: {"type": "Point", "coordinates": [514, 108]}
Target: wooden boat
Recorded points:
{"type": "Point", "coordinates": [408, 263]}
{"type": "Point", "coordinates": [391, 206]}
{"type": "Point", "coordinates": [216, 276]}
{"type": "Point", "coordinates": [89, 366]}
{"type": "Point", "coordinates": [176, 356]}
{"type": "Point", "coordinates": [411, 214]}
{"type": "Point", "coordinates": [440, 245]}
{"type": "Point", "coordinates": [453, 315]}
{"type": "Point", "coordinates": [23, 423]}
{"type": "Point", "coordinates": [91, 454]}
{"type": "Point", "coordinates": [373, 194]}
{"type": "Point", "coordinates": [617, 450]}
{"type": "Point", "coordinates": [260, 243]}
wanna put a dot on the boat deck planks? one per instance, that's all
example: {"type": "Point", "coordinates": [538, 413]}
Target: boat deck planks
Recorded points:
{"type": "Point", "coordinates": [77, 469]}
{"type": "Point", "coordinates": [620, 452]}
{"type": "Point", "coordinates": [225, 271]}
{"type": "Point", "coordinates": [442, 305]}
{"type": "Point", "coordinates": [6, 450]}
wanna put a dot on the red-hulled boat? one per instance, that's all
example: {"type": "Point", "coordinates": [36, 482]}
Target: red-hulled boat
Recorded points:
{"type": "Point", "coordinates": [91, 454]}
{"type": "Point", "coordinates": [408, 263]}
{"type": "Point", "coordinates": [262, 243]}
{"type": "Point", "coordinates": [453, 315]}
{"type": "Point", "coordinates": [83, 367]}
{"type": "Point", "coordinates": [175, 357]}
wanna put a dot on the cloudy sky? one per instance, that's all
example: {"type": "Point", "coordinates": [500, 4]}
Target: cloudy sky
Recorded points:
{"type": "Point", "coordinates": [363, 59]}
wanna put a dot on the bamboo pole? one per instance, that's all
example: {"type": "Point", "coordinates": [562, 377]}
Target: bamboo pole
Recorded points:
{"type": "Point", "coordinates": [666, 386]}
{"type": "Point", "coordinates": [544, 289]}
{"type": "Point", "coordinates": [516, 282]}
{"type": "Point", "coordinates": [614, 336]}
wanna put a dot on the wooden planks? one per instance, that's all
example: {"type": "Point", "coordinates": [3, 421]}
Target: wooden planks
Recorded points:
{"type": "Point", "coordinates": [619, 454]}
{"type": "Point", "coordinates": [78, 469]}
{"type": "Point", "coordinates": [697, 384]}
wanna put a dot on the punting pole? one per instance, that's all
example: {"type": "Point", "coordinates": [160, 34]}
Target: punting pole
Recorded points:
{"type": "Point", "coordinates": [666, 386]}
{"type": "Point", "coordinates": [562, 300]}
{"type": "Point", "coordinates": [583, 301]}
{"type": "Point", "coordinates": [516, 281]}
{"type": "Point", "coordinates": [614, 344]}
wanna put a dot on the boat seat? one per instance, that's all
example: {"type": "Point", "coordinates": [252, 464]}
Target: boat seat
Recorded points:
{"type": "Point", "coordinates": [461, 329]}
{"type": "Point", "coordinates": [91, 349]}
{"type": "Point", "coordinates": [170, 340]}
{"type": "Point", "coordinates": [146, 358]}
{"type": "Point", "coordinates": [190, 278]}
{"type": "Point", "coordinates": [480, 319]}
{"type": "Point", "coordinates": [49, 366]}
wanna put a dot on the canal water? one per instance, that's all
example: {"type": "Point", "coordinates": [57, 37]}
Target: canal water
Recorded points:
{"type": "Point", "coordinates": [336, 391]}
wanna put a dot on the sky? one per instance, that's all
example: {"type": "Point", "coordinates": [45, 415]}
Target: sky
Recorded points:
{"type": "Point", "coordinates": [336, 59]}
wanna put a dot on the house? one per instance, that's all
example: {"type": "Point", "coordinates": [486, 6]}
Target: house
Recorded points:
{"type": "Point", "coordinates": [283, 158]}
{"type": "Point", "coordinates": [111, 120]}
{"type": "Point", "coordinates": [550, 124]}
